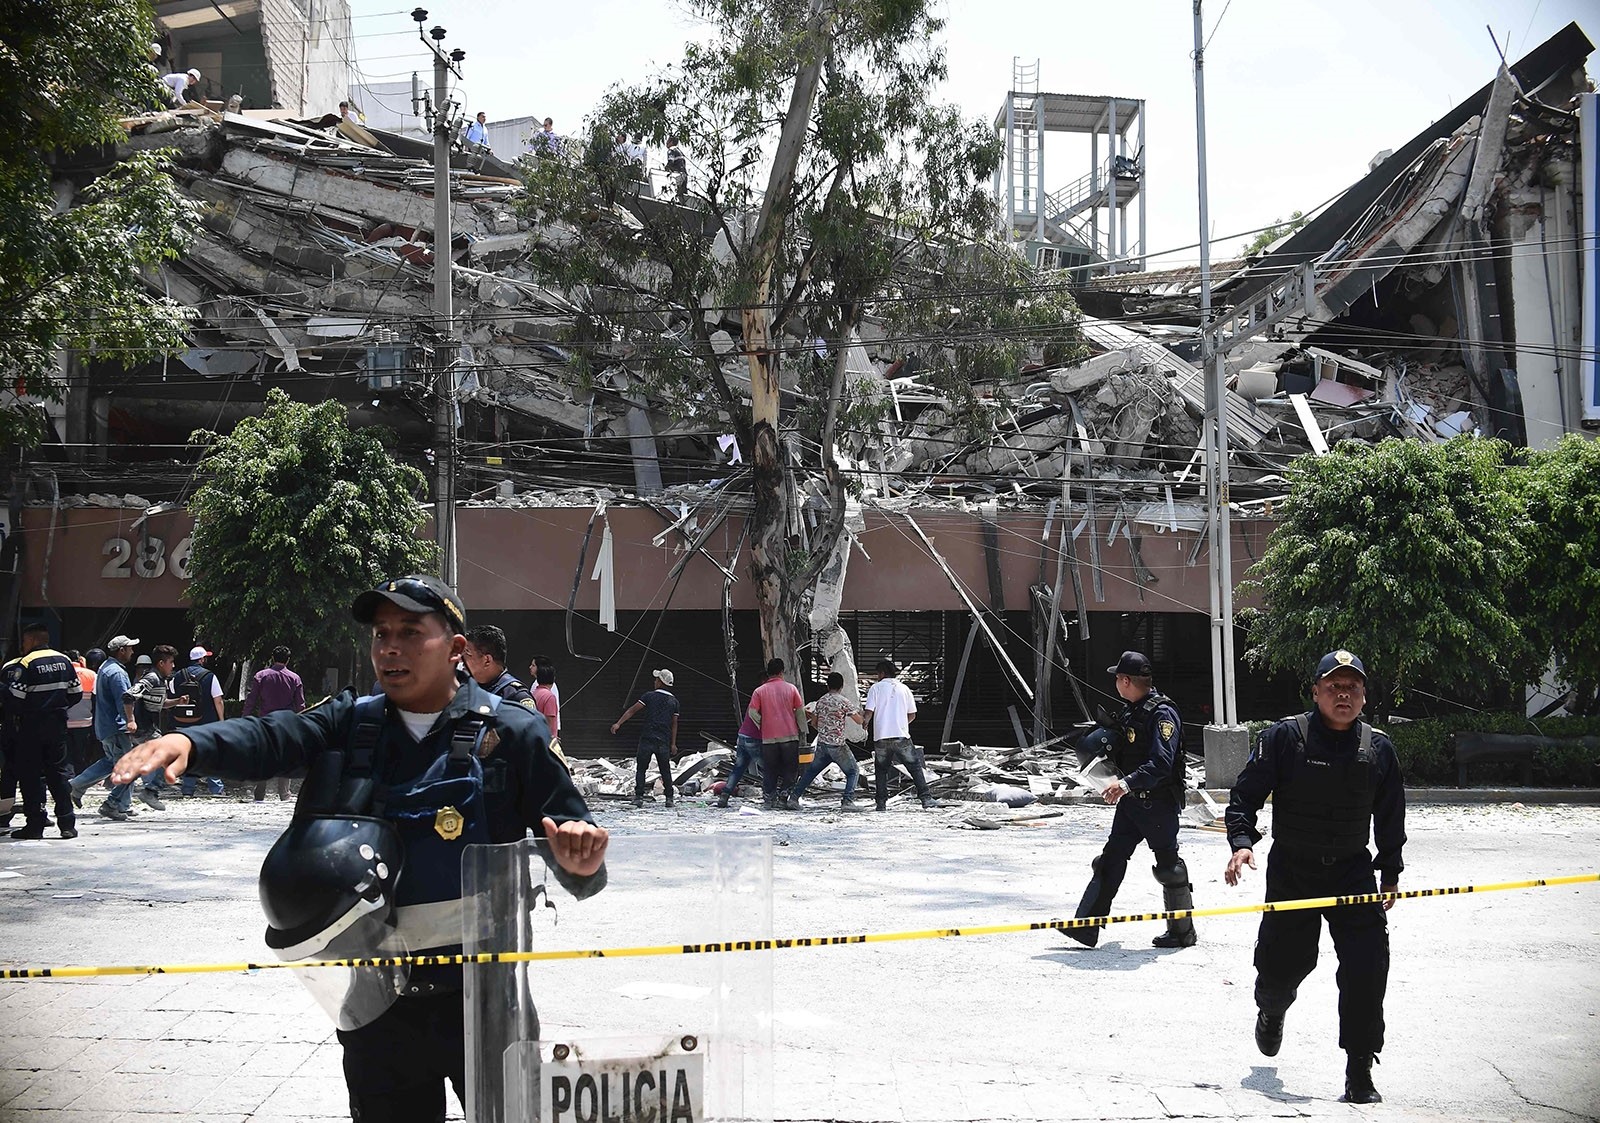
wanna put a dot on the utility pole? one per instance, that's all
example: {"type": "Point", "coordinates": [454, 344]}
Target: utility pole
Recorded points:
{"type": "Point", "coordinates": [444, 424]}
{"type": "Point", "coordinates": [1226, 744]}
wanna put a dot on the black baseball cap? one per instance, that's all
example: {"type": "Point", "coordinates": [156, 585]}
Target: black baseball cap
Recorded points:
{"type": "Point", "coordinates": [414, 593]}
{"type": "Point", "coordinates": [1132, 663]}
{"type": "Point", "coordinates": [1339, 661]}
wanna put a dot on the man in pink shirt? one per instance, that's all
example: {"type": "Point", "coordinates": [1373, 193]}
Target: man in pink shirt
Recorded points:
{"type": "Point", "coordinates": [780, 711]}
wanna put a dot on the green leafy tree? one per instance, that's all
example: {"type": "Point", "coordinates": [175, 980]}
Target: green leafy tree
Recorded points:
{"type": "Point", "coordinates": [297, 514]}
{"type": "Point", "coordinates": [829, 188]}
{"type": "Point", "coordinates": [1562, 493]}
{"type": "Point", "coordinates": [1412, 555]}
{"type": "Point", "coordinates": [71, 278]}
{"type": "Point", "coordinates": [1272, 233]}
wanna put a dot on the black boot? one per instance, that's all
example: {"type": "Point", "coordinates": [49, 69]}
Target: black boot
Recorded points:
{"type": "Point", "coordinates": [1178, 896]}
{"type": "Point", "coordinates": [1358, 1087]}
{"type": "Point", "coordinates": [1269, 1033]}
{"type": "Point", "coordinates": [1179, 933]}
{"type": "Point", "coordinates": [1097, 898]}
{"type": "Point", "coordinates": [30, 831]}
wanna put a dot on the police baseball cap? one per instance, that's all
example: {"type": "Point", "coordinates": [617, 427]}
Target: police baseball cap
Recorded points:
{"type": "Point", "coordinates": [414, 593]}
{"type": "Point", "coordinates": [1338, 661]}
{"type": "Point", "coordinates": [1132, 663]}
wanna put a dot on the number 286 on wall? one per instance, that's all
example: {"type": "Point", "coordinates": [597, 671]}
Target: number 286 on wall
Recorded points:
{"type": "Point", "coordinates": [145, 557]}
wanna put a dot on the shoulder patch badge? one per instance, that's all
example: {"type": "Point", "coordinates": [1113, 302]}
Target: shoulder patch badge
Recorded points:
{"type": "Point", "coordinates": [488, 743]}
{"type": "Point", "coordinates": [1168, 729]}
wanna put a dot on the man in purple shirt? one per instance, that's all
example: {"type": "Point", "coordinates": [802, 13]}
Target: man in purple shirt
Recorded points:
{"type": "Point", "coordinates": [274, 689]}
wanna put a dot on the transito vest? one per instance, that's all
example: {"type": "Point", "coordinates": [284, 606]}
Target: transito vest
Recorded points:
{"type": "Point", "coordinates": [1326, 805]}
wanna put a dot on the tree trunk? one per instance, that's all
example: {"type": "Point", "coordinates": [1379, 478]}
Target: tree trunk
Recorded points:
{"type": "Point", "coordinates": [776, 593]}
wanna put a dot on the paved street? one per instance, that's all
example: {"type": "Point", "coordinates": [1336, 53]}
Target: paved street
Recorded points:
{"type": "Point", "coordinates": [1494, 1001]}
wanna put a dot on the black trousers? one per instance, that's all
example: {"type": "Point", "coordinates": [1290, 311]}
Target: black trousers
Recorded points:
{"type": "Point", "coordinates": [780, 768]}
{"type": "Point", "coordinates": [40, 759]}
{"type": "Point", "coordinates": [396, 1067]}
{"type": "Point", "coordinates": [1286, 947]}
{"type": "Point", "coordinates": [663, 754]}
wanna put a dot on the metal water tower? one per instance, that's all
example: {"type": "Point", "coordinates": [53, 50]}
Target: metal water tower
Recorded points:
{"type": "Point", "coordinates": [1083, 224]}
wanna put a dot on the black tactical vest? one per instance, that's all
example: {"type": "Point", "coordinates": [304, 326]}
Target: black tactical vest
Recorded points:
{"type": "Point", "coordinates": [1326, 804]}
{"type": "Point", "coordinates": [1132, 742]}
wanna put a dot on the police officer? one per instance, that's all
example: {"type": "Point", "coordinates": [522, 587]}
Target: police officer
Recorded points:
{"type": "Point", "coordinates": [485, 660]}
{"type": "Point", "coordinates": [435, 763]}
{"type": "Point", "coordinates": [1147, 750]}
{"type": "Point", "coordinates": [42, 685]}
{"type": "Point", "coordinates": [1331, 777]}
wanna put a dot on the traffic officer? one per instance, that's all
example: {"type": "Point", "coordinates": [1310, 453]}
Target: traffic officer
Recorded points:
{"type": "Point", "coordinates": [433, 764]}
{"type": "Point", "coordinates": [1331, 777]}
{"type": "Point", "coordinates": [485, 660]}
{"type": "Point", "coordinates": [42, 685]}
{"type": "Point", "coordinates": [1147, 750]}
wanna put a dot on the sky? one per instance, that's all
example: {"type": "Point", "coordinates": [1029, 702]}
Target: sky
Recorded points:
{"type": "Point", "coordinates": [1300, 94]}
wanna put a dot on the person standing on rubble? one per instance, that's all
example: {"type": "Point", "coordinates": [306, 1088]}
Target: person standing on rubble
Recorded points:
{"type": "Point", "coordinates": [891, 708]}
{"type": "Point", "coordinates": [746, 751]}
{"type": "Point", "coordinates": [477, 138]}
{"type": "Point", "coordinates": [1331, 776]}
{"type": "Point", "coordinates": [830, 712]}
{"type": "Point", "coordinates": [1147, 750]}
{"type": "Point", "coordinates": [780, 711]}
{"type": "Point", "coordinates": [658, 738]}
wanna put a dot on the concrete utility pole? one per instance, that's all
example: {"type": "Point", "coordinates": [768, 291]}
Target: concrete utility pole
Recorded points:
{"type": "Point", "coordinates": [444, 427]}
{"type": "Point", "coordinates": [1226, 744]}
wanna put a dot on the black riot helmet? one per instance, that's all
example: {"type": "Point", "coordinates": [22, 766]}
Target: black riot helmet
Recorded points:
{"type": "Point", "coordinates": [323, 876]}
{"type": "Point", "coordinates": [328, 889]}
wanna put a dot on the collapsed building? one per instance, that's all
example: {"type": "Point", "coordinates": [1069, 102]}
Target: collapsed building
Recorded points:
{"type": "Point", "coordinates": [1445, 299]}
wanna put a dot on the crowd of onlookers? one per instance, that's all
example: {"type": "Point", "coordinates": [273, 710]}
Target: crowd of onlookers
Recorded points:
{"type": "Point", "coordinates": [69, 716]}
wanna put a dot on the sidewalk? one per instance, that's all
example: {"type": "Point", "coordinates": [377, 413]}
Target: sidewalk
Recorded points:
{"type": "Point", "coordinates": [1494, 1000]}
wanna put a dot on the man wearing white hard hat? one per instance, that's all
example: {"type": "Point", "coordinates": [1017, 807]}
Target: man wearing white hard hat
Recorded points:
{"type": "Point", "coordinates": [178, 84]}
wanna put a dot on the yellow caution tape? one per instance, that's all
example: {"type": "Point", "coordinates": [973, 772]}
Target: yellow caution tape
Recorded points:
{"type": "Point", "coordinates": [795, 942]}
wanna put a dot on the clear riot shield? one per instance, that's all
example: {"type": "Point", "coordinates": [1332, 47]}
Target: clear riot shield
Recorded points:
{"type": "Point", "coordinates": [642, 1039]}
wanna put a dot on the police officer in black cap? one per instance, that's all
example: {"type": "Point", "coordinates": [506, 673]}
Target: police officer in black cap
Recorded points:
{"type": "Point", "coordinates": [397, 785]}
{"type": "Point", "coordinates": [1332, 777]}
{"type": "Point", "coordinates": [1146, 746]}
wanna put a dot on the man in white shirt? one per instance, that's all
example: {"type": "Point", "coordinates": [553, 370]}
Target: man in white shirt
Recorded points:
{"type": "Point", "coordinates": [891, 709]}
{"type": "Point", "coordinates": [178, 85]}
{"type": "Point", "coordinates": [478, 134]}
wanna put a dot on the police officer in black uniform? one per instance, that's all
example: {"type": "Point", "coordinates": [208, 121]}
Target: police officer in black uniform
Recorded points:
{"type": "Point", "coordinates": [42, 685]}
{"type": "Point", "coordinates": [1146, 746]}
{"type": "Point", "coordinates": [423, 769]}
{"type": "Point", "coordinates": [1331, 777]}
{"type": "Point", "coordinates": [485, 660]}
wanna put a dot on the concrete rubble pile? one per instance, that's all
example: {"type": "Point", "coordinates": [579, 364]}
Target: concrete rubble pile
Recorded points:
{"type": "Point", "coordinates": [1006, 778]}
{"type": "Point", "coordinates": [317, 239]}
